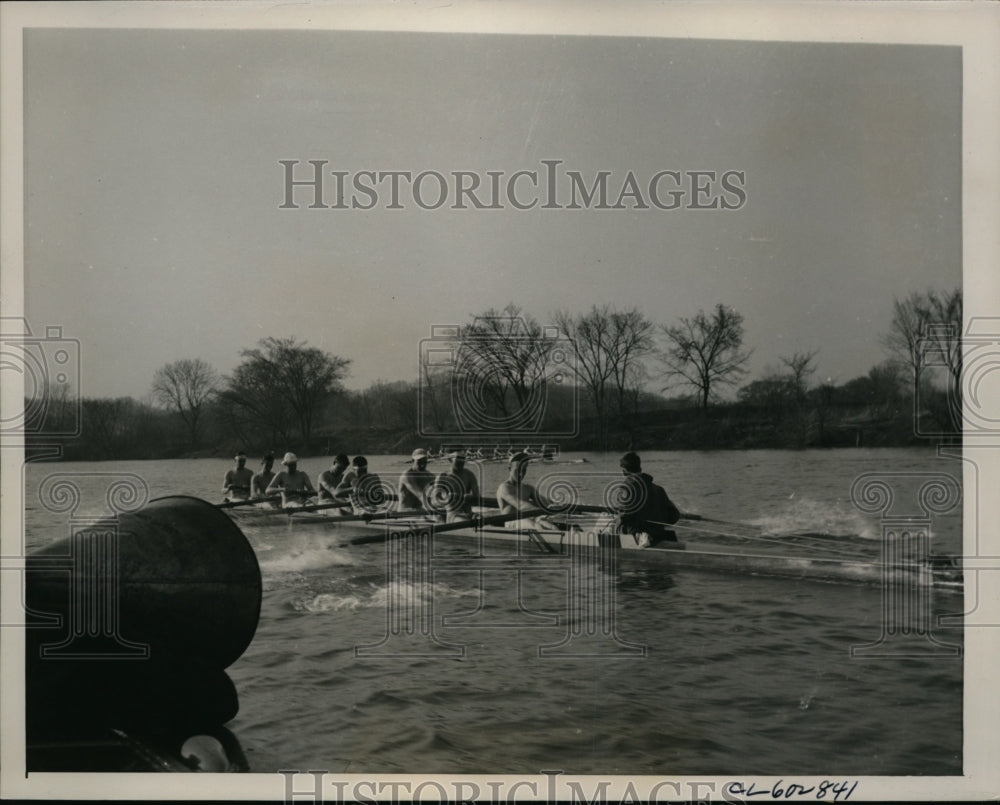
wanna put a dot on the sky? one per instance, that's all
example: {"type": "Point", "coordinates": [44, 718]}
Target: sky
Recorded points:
{"type": "Point", "coordinates": [153, 189]}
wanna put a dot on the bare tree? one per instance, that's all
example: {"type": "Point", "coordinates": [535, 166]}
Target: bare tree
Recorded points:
{"type": "Point", "coordinates": [910, 318]}
{"type": "Point", "coordinates": [943, 340]}
{"type": "Point", "coordinates": [801, 368]}
{"type": "Point", "coordinates": [430, 405]}
{"type": "Point", "coordinates": [705, 351]}
{"type": "Point", "coordinates": [284, 383]}
{"type": "Point", "coordinates": [773, 392]}
{"type": "Point", "coordinates": [591, 334]}
{"type": "Point", "coordinates": [501, 369]}
{"type": "Point", "coordinates": [385, 404]}
{"type": "Point", "coordinates": [253, 407]}
{"type": "Point", "coordinates": [186, 386]}
{"type": "Point", "coordinates": [110, 425]}
{"type": "Point", "coordinates": [925, 333]}
{"type": "Point", "coordinates": [631, 340]}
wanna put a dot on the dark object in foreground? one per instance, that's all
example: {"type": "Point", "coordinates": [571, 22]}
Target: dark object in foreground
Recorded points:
{"type": "Point", "coordinates": [132, 623]}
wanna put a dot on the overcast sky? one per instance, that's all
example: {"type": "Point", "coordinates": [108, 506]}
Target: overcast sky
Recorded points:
{"type": "Point", "coordinates": [153, 187]}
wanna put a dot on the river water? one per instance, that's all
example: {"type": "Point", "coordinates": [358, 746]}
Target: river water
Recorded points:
{"type": "Point", "coordinates": [699, 673]}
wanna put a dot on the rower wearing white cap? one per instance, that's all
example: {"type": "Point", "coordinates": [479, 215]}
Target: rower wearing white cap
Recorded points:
{"type": "Point", "coordinates": [456, 489]}
{"type": "Point", "coordinates": [236, 485]}
{"type": "Point", "coordinates": [414, 482]}
{"type": "Point", "coordinates": [293, 484]}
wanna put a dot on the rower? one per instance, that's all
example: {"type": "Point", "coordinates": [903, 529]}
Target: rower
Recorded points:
{"type": "Point", "coordinates": [236, 485]}
{"type": "Point", "coordinates": [261, 480]}
{"type": "Point", "coordinates": [293, 484]}
{"type": "Point", "coordinates": [413, 483]}
{"type": "Point", "coordinates": [457, 488]}
{"type": "Point", "coordinates": [644, 509]}
{"type": "Point", "coordinates": [361, 488]}
{"type": "Point", "coordinates": [513, 495]}
{"type": "Point", "coordinates": [330, 479]}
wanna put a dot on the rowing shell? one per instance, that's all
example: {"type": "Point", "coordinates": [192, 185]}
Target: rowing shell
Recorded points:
{"type": "Point", "coordinates": [564, 535]}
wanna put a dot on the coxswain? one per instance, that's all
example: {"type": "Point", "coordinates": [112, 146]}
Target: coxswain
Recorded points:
{"type": "Point", "coordinates": [643, 510]}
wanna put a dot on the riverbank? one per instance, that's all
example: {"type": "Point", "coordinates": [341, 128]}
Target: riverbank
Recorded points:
{"type": "Point", "coordinates": [732, 427]}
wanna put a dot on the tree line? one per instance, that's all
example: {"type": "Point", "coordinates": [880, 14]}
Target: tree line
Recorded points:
{"type": "Point", "coordinates": [613, 377]}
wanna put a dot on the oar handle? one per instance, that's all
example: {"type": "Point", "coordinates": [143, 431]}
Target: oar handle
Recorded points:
{"type": "Point", "coordinates": [374, 519]}
{"type": "Point", "coordinates": [439, 528]}
{"type": "Point", "coordinates": [314, 507]}
{"type": "Point", "coordinates": [588, 508]}
{"type": "Point", "coordinates": [232, 504]}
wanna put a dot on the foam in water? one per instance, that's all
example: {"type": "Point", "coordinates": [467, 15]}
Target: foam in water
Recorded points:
{"type": "Point", "coordinates": [807, 516]}
{"type": "Point", "coordinates": [327, 602]}
{"type": "Point", "coordinates": [379, 596]}
{"type": "Point", "coordinates": [302, 552]}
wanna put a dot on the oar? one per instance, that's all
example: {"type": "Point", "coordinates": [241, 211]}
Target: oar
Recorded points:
{"type": "Point", "coordinates": [587, 508]}
{"type": "Point", "coordinates": [316, 507]}
{"type": "Point", "coordinates": [440, 528]}
{"type": "Point", "coordinates": [375, 519]}
{"type": "Point", "coordinates": [232, 504]}
{"type": "Point", "coordinates": [719, 522]}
